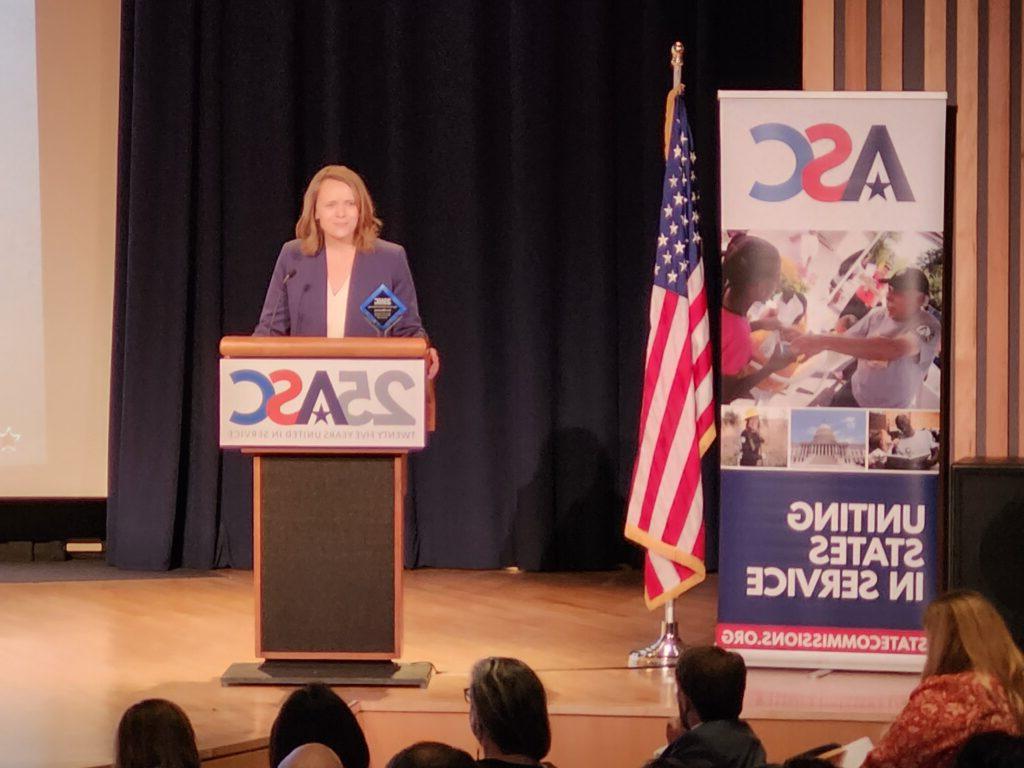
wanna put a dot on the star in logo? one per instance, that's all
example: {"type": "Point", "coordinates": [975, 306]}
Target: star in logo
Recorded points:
{"type": "Point", "coordinates": [9, 440]}
{"type": "Point", "coordinates": [877, 187]}
{"type": "Point", "coordinates": [321, 415]}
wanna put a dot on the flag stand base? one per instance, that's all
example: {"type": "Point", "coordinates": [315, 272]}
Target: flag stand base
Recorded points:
{"type": "Point", "coordinates": [663, 652]}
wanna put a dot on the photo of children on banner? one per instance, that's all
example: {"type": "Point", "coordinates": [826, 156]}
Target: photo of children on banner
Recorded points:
{"type": "Point", "coordinates": [839, 319]}
{"type": "Point", "coordinates": [754, 437]}
{"type": "Point", "coordinates": [903, 440]}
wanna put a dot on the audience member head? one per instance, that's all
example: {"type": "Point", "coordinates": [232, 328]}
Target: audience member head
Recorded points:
{"type": "Point", "coordinates": [311, 756]}
{"type": "Point", "coordinates": [678, 762]}
{"type": "Point", "coordinates": [966, 633]}
{"type": "Point", "coordinates": [431, 754]}
{"type": "Point", "coordinates": [991, 750]}
{"type": "Point", "coordinates": [711, 682]}
{"type": "Point", "coordinates": [508, 709]}
{"type": "Point", "coordinates": [314, 714]}
{"type": "Point", "coordinates": [155, 732]}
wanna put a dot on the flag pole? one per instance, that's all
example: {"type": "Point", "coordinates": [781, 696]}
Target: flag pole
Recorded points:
{"type": "Point", "coordinates": [665, 651]}
{"type": "Point", "coordinates": [677, 64]}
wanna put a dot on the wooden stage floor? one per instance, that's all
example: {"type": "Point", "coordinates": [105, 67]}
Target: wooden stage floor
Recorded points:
{"type": "Point", "coordinates": [76, 654]}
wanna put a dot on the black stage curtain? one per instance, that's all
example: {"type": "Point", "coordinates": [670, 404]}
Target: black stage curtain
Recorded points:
{"type": "Point", "coordinates": [513, 148]}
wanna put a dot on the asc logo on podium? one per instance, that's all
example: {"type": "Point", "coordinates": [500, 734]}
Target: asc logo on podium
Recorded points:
{"type": "Point", "coordinates": [327, 403]}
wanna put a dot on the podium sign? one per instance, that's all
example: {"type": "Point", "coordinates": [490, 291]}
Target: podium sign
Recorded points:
{"type": "Point", "coordinates": [322, 403]}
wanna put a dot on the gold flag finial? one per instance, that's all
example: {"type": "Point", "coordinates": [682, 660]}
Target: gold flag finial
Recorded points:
{"type": "Point", "coordinates": [677, 64]}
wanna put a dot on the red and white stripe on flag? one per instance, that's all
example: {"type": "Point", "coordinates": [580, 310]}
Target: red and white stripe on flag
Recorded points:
{"type": "Point", "coordinates": [677, 418]}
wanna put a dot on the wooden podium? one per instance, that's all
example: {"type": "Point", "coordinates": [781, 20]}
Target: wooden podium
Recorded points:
{"type": "Point", "coordinates": [330, 423]}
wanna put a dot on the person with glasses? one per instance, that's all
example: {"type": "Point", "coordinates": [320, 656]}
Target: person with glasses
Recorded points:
{"type": "Point", "coordinates": [508, 713]}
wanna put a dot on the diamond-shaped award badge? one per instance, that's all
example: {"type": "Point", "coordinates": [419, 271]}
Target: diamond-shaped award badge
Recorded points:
{"type": "Point", "coordinates": [382, 309]}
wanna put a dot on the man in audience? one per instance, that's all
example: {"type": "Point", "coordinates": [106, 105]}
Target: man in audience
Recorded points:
{"type": "Point", "coordinates": [311, 756]}
{"type": "Point", "coordinates": [710, 683]}
{"type": "Point", "coordinates": [431, 754]}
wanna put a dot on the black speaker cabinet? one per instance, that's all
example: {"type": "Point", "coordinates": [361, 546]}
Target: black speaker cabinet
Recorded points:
{"type": "Point", "coordinates": [985, 535]}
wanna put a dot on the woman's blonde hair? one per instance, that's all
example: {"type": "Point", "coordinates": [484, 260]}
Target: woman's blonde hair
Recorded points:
{"type": "Point", "coordinates": [966, 633]}
{"type": "Point", "coordinates": [308, 230]}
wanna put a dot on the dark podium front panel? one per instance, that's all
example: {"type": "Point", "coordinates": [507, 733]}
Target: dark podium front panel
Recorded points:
{"type": "Point", "coordinates": [328, 539]}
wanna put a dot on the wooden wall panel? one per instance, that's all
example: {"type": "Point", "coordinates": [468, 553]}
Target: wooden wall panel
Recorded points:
{"type": "Point", "coordinates": [983, 69]}
{"type": "Point", "coordinates": [965, 236]}
{"type": "Point", "coordinates": [892, 45]}
{"type": "Point", "coordinates": [935, 45]}
{"type": "Point", "coordinates": [997, 308]}
{"type": "Point", "coordinates": [855, 45]}
{"type": "Point", "coordinates": [1018, 212]}
{"type": "Point", "coordinates": [819, 45]}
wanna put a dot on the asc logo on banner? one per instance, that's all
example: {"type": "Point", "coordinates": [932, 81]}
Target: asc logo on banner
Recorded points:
{"type": "Point", "coordinates": [325, 403]}
{"type": "Point", "coordinates": [818, 163]}
{"type": "Point", "coordinates": [809, 169]}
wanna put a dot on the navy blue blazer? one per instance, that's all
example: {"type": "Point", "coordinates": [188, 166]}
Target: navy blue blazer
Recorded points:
{"type": "Point", "coordinates": [299, 307]}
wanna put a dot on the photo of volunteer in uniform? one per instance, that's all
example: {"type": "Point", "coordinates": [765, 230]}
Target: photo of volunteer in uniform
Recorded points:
{"type": "Point", "coordinates": [894, 346]}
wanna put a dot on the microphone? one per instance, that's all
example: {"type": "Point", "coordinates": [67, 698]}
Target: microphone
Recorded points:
{"type": "Point", "coordinates": [280, 299]}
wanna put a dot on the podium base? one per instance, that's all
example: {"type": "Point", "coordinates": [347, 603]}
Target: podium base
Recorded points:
{"type": "Point", "coordinates": [362, 673]}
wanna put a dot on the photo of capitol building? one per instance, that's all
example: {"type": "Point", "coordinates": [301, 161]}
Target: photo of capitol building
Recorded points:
{"type": "Point", "coordinates": [826, 438]}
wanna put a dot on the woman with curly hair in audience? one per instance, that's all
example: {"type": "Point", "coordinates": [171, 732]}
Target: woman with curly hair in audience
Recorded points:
{"type": "Point", "coordinates": [973, 681]}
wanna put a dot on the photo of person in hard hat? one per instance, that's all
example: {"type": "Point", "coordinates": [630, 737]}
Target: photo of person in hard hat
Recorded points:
{"type": "Point", "coordinates": [894, 345]}
{"type": "Point", "coordinates": [751, 440]}
{"type": "Point", "coordinates": [754, 437]}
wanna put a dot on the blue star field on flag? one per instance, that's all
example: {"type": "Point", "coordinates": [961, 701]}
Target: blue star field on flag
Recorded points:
{"type": "Point", "coordinates": [678, 251]}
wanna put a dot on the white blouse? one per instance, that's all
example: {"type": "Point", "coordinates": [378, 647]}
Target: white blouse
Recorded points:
{"type": "Point", "coordinates": [337, 308]}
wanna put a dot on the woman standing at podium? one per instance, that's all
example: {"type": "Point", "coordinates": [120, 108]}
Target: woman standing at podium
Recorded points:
{"type": "Point", "coordinates": [337, 264]}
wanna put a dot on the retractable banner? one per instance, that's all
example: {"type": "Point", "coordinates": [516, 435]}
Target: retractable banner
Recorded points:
{"type": "Point", "coordinates": [832, 312]}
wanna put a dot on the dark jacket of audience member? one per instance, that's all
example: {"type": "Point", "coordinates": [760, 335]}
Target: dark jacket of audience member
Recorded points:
{"type": "Point", "coordinates": [993, 749]}
{"type": "Point", "coordinates": [155, 732]}
{"type": "Point", "coordinates": [316, 714]}
{"type": "Point", "coordinates": [710, 686]}
{"type": "Point", "coordinates": [431, 754]}
{"type": "Point", "coordinates": [508, 712]}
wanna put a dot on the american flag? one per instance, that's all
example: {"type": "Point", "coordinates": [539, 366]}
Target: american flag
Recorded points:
{"type": "Point", "coordinates": [677, 419]}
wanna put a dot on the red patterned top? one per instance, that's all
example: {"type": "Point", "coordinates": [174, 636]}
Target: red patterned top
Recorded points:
{"type": "Point", "coordinates": [943, 712]}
